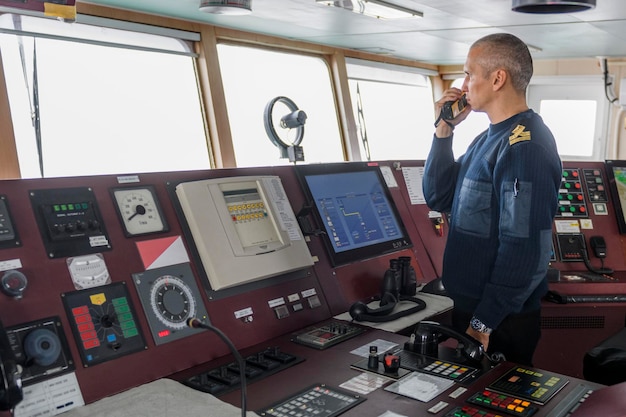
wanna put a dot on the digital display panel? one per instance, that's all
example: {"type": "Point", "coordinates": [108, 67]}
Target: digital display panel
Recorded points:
{"type": "Point", "coordinates": [616, 170]}
{"type": "Point", "coordinates": [243, 229]}
{"type": "Point", "coordinates": [355, 209]}
{"type": "Point", "coordinates": [249, 215]}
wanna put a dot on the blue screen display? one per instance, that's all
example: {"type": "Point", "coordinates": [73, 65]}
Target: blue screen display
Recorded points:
{"type": "Point", "coordinates": [354, 209]}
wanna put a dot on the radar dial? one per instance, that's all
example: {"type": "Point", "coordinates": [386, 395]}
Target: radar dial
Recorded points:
{"type": "Point", "coordinates": [172, 301]}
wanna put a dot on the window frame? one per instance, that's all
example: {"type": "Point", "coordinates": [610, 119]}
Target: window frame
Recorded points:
{"type": "Point", "coordinates": [359, 69]}
{"type": "Point", "coordinates": [110, 34]}
{"type": "Point", "coordinates": [574, 85]}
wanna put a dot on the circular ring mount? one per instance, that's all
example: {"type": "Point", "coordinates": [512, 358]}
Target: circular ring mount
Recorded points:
{"type": "Point", "coordinates": [269, 124]}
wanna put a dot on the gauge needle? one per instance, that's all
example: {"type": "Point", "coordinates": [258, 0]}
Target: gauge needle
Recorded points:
{"type": "Point", "coordinates": [138, 210]}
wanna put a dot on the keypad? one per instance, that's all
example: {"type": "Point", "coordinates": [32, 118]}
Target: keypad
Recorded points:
{"type": "Point", "coordinates": [469, 411]}
{"type": "Point", "coordinates": [503, 403]}
{"type": "Point", "coordinates": [316, 401]}
{"type": "Point", "coordinates": [447, 369]}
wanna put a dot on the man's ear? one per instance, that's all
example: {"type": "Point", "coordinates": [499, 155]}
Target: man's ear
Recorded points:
{"type": "Point", "coordinates": [499, 78]}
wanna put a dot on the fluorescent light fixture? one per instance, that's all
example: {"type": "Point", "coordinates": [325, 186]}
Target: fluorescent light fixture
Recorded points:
{"type": "Point", "coordinates": [375, 8]}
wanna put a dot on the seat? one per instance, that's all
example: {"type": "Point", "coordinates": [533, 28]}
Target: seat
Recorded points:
{"type": "Point", "coordinates": [606, 363]}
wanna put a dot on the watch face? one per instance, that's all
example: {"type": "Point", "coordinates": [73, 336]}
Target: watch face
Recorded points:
{"type": "Point", "coordinates": [139, 210]}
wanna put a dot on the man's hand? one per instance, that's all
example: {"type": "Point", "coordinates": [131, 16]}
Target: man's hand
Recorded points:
{"type": "Point", "coordinates": [481, 337]}
{"type": "Point", "coordinates": [444, 129]}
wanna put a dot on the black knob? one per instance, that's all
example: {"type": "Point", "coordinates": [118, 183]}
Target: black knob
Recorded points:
{"type": "Point", "coordinates": [107, 321]}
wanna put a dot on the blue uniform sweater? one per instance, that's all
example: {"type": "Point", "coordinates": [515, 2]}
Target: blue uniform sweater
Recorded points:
{"type": "Point", "coordinates": [502, 196]}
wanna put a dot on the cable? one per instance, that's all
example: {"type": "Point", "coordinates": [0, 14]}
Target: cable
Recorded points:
{"type": "Point", "coordinates": [362, 128]}
{"type": "Point", "coordinates": [601, 271]}
{"type": "Point", "coordinates": [607, 83]}
{"type": "Point", "coordinates": [195, 323]}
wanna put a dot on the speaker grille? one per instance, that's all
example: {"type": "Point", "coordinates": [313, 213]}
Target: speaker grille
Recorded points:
{"type": "Point", "coordinates": [573, 322]}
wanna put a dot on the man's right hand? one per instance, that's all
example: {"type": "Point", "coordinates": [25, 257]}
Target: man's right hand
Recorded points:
{"type": "Point", "coordinates": [445, 128]}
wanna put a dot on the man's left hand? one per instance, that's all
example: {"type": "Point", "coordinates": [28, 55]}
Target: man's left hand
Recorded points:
{"type": "Point", "coordinates": [481, 337]}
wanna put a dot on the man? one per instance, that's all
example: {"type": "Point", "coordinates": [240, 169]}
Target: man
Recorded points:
{"type": "Point", "coordinates": [502, 196]}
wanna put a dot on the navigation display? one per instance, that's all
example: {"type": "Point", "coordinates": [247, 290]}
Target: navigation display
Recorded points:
{"type": "Point", "coordinates": [354, 207]}
{"type": "Point", "coordinates": [616, 171]}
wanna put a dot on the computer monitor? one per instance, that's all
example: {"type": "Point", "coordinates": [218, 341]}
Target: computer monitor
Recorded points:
{"type": "Point", "coordinates": [352, 204]}
{"type": "Point", "coordinates": [616, 171]}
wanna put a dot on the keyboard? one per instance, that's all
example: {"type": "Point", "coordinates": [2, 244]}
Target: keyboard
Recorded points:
{"type": "Point", "coordinates": [572, 401]}
{"type": "Point", "coordinates": [586, 298]}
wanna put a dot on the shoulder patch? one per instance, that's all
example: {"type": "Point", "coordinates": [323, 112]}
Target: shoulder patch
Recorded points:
{"type": "Point", "coordinates": [519, 134]}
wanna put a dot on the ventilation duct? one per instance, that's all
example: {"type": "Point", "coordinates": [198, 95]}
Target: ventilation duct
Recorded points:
{"type": "Point", "coordinates": [552, 6]}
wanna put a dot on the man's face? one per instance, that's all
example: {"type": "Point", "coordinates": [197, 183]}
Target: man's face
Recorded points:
{"type": "Point", "coordinates": [477, 85]}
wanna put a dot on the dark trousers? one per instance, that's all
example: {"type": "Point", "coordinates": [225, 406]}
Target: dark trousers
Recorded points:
{"type": "Point", "coordinates": [516, 337]}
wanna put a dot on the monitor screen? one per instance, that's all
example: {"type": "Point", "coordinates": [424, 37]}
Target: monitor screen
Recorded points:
{"type": "Point", "coordinates": [355, 210]}
{"type": "Point", "coordinates": [616, 171]}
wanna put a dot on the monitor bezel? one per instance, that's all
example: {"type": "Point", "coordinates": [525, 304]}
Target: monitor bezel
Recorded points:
{"type": "Point", "coordinates": [617, 203]}
{"type": "Point", "coordinates": [361, 253]}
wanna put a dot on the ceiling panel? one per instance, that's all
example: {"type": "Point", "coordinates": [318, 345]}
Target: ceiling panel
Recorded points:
{"type": "Point", "coordinates": [442, 36]}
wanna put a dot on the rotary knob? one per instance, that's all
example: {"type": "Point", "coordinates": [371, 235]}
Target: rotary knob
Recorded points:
{"type": "Point", "coordinates": [13, 283]}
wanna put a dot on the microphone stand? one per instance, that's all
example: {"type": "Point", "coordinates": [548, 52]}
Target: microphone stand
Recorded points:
{"type": "Point", "coordinates": [195, 323]}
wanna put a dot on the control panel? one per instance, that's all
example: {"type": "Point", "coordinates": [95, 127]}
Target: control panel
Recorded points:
{"type": "Point", "coordinates": [105, 322]}
{"type": "Point", "coordinates": [318, 400]}
{"type": "Point", "coordinates": [8, 234]}
{"type": "Point", "coordinates": [41, 348]}
{"type": "Point", "coordinates": [69, 220]}
{"type": "Point", "coordinates": [571, 195]}
{"type": "Point", "coordinates": [170, 297]}
{"type": "Point", "coordinates": [327, 334]}
{"type": "Point", "coordinates": [102, 274]}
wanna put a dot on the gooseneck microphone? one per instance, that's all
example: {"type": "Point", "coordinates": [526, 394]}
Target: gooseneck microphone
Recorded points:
{"type": "Point", "coordinates": [195, 323]}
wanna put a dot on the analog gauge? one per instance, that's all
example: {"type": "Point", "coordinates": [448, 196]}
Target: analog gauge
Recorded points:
{"type": "Point", "coordinates": [139, 210]}
{"type": "Point", "coordinates": [172, 301]}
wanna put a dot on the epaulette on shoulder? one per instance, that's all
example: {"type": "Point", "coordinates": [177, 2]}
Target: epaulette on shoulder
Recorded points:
{"type": "Point", "coordinates": [519, 134]}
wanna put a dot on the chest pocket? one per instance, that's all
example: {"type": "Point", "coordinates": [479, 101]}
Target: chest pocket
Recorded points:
{"type": "Point", "coordinates": [474, 210]}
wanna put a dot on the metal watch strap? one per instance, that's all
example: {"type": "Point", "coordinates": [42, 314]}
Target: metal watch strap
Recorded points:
{"type": "Point", "coordinates": [479, 326]}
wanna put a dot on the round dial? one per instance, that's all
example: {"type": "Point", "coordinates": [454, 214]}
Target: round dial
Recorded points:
{"type": "Point", "coordinates": [139, 210]}
{"type": "Point", "coordinates": [172, 301]}
{"type": "Point", "coordinates": [13, 283]}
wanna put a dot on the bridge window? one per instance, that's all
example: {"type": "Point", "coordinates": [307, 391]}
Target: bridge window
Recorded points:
{"type": "Point", "coordinates": [393, 107]}
{"type": "Point", "coordinates": [576, 110]}
{"type": "Point", "coordinates": [94, 98]}
{"type": "Point", "coordinates": [252, 77]}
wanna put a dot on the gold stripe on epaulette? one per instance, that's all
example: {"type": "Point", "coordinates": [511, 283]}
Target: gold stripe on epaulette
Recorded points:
{"type": "Point", "coordinates": [519, 135]}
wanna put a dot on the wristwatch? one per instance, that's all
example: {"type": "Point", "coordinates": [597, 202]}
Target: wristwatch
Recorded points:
{"type": "Point", "coordinates": [479, 326]}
